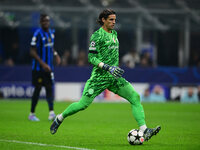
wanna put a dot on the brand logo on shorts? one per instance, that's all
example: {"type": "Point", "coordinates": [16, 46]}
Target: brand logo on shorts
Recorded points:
{"type": "Point", "coordinates": [39, 80]}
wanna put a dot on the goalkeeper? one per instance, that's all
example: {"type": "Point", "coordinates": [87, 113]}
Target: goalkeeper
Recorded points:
{"type": "Point", "coordinates": [104, 56]}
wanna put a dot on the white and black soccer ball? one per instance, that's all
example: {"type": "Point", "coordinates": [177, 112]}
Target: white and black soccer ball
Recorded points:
{"type": "Point", "coordinates": [135, 137]}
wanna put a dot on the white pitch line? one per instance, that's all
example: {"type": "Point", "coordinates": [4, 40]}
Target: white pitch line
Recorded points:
{"type": "Point", "coordinates": [45, 145]}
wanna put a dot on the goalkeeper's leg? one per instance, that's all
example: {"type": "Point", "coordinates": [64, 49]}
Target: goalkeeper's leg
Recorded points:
{"type": "Point", "coordinates": [91, 90]}
{"type": "Point", "coordinates": [133, 97]}
{"type": "Point", "coordinates": [127, 91]}
{"type": "Point", "coordinates": [70, 110]}
{"type": "Point", "coordinates": [77, 106]}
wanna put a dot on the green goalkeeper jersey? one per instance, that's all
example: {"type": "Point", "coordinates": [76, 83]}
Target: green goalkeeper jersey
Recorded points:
{"type": "Point", "coordinates": [104, 47]}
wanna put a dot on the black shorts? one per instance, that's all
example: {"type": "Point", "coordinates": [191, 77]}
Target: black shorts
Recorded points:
{"type": "Point", "coordinates": [42, 78]}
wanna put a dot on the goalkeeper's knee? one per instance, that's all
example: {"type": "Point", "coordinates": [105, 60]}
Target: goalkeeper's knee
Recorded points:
{"type": "Point", "coordinates": [84, 103]}
{"type": "Point", "coordinates": [83, 106]}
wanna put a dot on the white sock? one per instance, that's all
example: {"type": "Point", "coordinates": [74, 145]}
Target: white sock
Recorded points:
{"type": "Point", "coordinates": [32, 113]}
{"type": "Point", "coordinates": [51, 112]}
{"type": "Point", "coordinates": [143, 127]}
{"type": "Point", "coordinates": [60, 117]}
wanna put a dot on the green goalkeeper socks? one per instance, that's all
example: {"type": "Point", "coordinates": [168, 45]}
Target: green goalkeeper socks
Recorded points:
{"type": "Point", "coordinates": [77, 106]}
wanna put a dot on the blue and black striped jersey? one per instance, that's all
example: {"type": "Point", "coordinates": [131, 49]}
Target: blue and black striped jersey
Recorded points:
{"type": "Point", "coordinates": [44, 43]}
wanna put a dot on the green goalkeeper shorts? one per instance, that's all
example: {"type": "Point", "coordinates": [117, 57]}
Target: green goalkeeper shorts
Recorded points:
{"type": "Point", "coordinates": [94, 87]}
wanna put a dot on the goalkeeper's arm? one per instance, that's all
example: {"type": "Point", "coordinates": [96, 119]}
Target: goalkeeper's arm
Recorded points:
{"type": "Point", "coordinates": [113, 70]}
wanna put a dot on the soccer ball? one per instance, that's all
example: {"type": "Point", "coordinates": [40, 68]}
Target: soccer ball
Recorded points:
{"type": "Point", "coordinates": [135, 137]}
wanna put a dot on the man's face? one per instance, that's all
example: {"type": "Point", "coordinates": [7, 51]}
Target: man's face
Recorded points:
{"type": "Point", "coordinates": [190, 91]}
{"type": "Point", "coordinates": [109, 23]}
{"type": "Point", "coordinates": [45, 22]}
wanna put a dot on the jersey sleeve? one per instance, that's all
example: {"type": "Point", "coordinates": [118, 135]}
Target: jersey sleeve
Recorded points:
{"type": "Point", "coordinates": [35, 39]}
{"type": "Point", "coordinates": [94, 49]}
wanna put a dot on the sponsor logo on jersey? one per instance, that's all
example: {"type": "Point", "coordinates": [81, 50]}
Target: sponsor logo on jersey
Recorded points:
{"type": "Point", "coordinates": [49, 44]}
{"type": "Point", "coordinates": [113, 47]}
{"type": "Point", "coordinates": [49, 40]}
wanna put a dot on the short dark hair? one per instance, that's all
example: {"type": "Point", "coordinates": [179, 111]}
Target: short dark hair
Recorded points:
{"type": "Point", "coordinates": [104, 14]}
{"type": "Point", "coordinates": [42, 16]}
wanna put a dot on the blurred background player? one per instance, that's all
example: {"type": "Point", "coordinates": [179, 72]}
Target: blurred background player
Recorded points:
{"type": "Point", "coordinates": [198, 92]}
{"type": "Point", "coordinates": [157, 94]}
{"type": "Point", "coordinates": [190, 96]}
{"type": "Point", "coordinates": [104, 56]}
{"type": "Point", "coordinates": [43, 53]}
{"type": "Point", "coordinates": [145, 97]}
{"type": "Point", "coordinates": [131, 59]}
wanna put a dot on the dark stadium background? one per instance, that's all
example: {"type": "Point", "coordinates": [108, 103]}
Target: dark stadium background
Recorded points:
{"type": "Point", "coordinates": [169, 31]}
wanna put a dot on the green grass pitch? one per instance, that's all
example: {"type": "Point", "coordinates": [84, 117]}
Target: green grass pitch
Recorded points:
{"type": "Point", "coordinates": [102, 126]}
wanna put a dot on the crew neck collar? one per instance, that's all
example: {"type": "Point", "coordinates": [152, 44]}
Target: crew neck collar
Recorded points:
{"type": "Point", "coordinates": [106, 31]}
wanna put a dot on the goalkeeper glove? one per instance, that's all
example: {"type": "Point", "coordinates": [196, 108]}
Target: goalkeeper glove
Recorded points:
{"type": "Point", "coordinates": [113, 70]}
